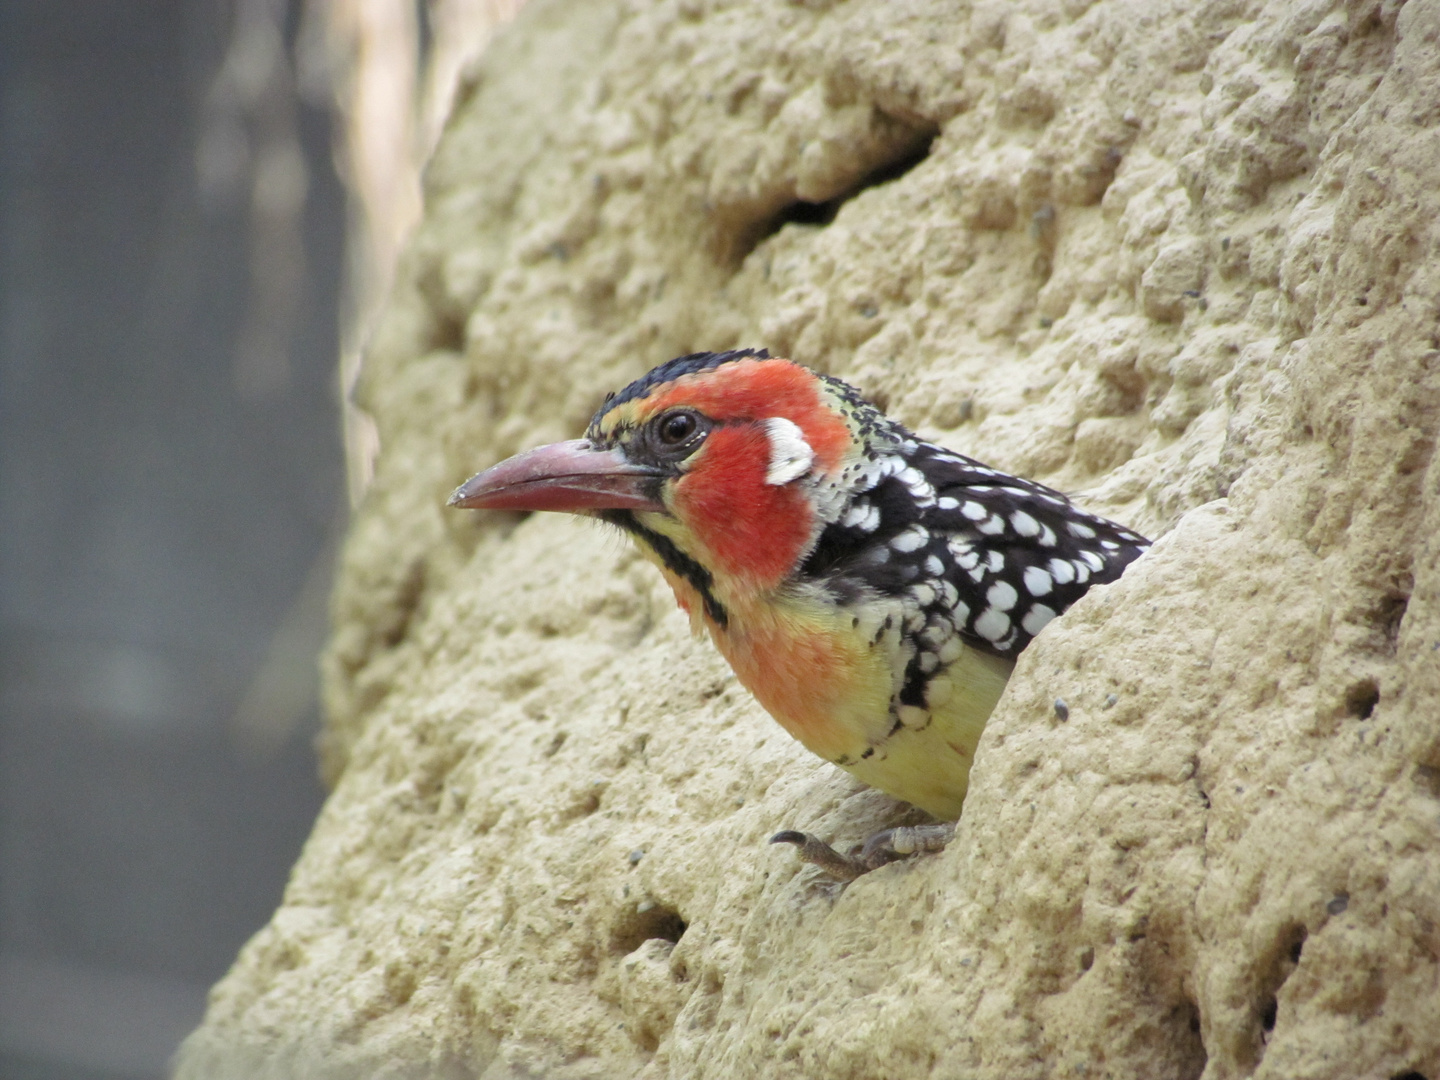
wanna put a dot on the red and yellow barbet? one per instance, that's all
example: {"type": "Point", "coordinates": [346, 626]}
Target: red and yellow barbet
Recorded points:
{"type": "Point", "coordinates": [871, 589]}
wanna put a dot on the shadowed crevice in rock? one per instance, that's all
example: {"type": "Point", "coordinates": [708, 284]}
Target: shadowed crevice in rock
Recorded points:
{"type": "Point", "coordinates": [803, 212]}
{"type": "Point", "coordinates": [647, 921]}
{"type": "Point", "coordinates": [1194, 1056]}
{"type": "Point", "coordinates": [1361, 699]}
{"type": "Point", "coordinates": [1285, 957]}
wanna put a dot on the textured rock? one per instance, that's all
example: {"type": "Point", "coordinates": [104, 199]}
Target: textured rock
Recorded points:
{"type": "Point", "coordinates": [1183, 258]}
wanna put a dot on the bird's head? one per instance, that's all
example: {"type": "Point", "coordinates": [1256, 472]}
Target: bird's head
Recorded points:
{"type": "Point", "coordinates": [727, 465]}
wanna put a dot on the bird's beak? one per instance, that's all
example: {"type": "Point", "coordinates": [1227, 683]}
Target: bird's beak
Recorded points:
{"type": "Point", "coordinates": [571, 476]}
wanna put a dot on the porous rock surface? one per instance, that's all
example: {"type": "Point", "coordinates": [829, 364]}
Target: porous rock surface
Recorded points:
{"type": "Point", "coordinates": [1182, 258]}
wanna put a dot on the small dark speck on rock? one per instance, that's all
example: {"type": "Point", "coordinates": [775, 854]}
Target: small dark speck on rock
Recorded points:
{"type": "Point", "coordinates": [1338, 903]}
{"type": "Point", "coordinates": [1062, 711]}
{"type": "Point", "coordinates": [1111, 699]}
{"type": "Point", "coordinates": [636, 855]}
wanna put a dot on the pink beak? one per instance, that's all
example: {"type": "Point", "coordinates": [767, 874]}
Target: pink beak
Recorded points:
{"type": "Point", "coordinates": [571, 476]}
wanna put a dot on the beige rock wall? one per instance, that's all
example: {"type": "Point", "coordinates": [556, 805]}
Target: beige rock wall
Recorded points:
{"type": "Point", "coordinates": [1181, 257]}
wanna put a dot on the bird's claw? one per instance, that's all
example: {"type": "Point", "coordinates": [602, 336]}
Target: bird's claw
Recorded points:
{"type": "Point", "coordinates": [886, 846]}
{"type": "Point", "coordinates": [816, 852]}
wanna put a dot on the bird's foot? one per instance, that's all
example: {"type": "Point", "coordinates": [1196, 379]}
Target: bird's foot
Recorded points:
{"type": "Point", "coordinates": [884, 847]}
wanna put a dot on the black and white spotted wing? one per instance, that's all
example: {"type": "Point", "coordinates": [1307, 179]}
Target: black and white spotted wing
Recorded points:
{"type": "Point", "coordinates": [1021, 552]}
{"type": "Point", "coordinates": [975, 554]}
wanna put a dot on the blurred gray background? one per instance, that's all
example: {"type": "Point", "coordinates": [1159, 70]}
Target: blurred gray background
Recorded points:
{"type": "Point", "coordinates": [171, 242]}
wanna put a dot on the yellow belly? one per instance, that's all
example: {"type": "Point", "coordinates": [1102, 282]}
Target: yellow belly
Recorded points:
{"type": "Point", "coordinates": [929, 765]}
{"type": "Point", "coordinates": [831, 688]}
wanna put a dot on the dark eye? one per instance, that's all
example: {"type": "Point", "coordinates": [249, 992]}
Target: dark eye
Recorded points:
{"type": "Point", "coordinates": [674, 436]}
{"type": "Point", "coordinates": [675, 428]}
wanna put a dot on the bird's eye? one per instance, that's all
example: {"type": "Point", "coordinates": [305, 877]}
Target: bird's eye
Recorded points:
{"type": "Point", "coordinates": [675, 428]}
{"type": "Point", "coordinates": [674, 436]}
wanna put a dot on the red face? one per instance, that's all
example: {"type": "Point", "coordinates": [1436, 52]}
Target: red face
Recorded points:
{"type": "Point", "coordinates": [700, 453]}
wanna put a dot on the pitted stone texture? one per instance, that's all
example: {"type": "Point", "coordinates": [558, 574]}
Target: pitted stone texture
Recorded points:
{"type": "Point", "coordinates": [1182, 257]}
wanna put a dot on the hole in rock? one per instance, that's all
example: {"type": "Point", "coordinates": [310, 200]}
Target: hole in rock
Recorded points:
{"type": "Point", "coordinates": [1287, 951]}
{"type": "Point", "coordinates": [447, 333]}
{"type": "Point", "coordinates": [1268, 1014]}
{"type": "Point", "coordinates": [1361, 699]}
{"type": "Point", "coordinates": [644, 921]}
{"type": "Point", "coordinates": [1411, 1075]}
{"type": "Point", "coordinates": [804, 212]}
{"type": "Point", "coordinates": [1191, 1055]}
{"type": "Point", "coordinates": [1389, 614]}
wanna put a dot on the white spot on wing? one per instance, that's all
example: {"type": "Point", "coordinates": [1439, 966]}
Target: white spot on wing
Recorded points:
{"type": "Point", "coordinates": [1024, 524]}
{"type": "Point", "coordinates": [974, 511]}
{"type": "Point", "coordinates": [915, 480]}
{"type": "Point", "coordinates": [1002, 596]}
{"type": "Point", "coordinates": [1036, 619]}
{"type": "Point", "coordinates": [965, 556]}
{"type": "Point", "coordinates": [855, 516]}
{"type": "Point", "coordinates": [992, 526]}
{"type": "Point", "coordinates": [1075, 528]}
{"type": "Point", "coordinates": [992, 625]}
{"type": "Point", "coordinates": [1062, 571]}
{"type": "Point", "coordinates": [912, 539]}
{"type": "Point", "coordinates": [790, 455]}
{"type": "Point", "coordinates": [1038, 582]}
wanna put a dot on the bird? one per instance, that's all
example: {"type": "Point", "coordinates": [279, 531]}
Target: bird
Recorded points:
{"type": "Point", "coordinates": [871, 589]}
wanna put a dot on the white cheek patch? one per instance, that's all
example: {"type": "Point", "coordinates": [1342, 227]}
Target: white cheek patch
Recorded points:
{"type": "Point", "coordinates": [790, 455]}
